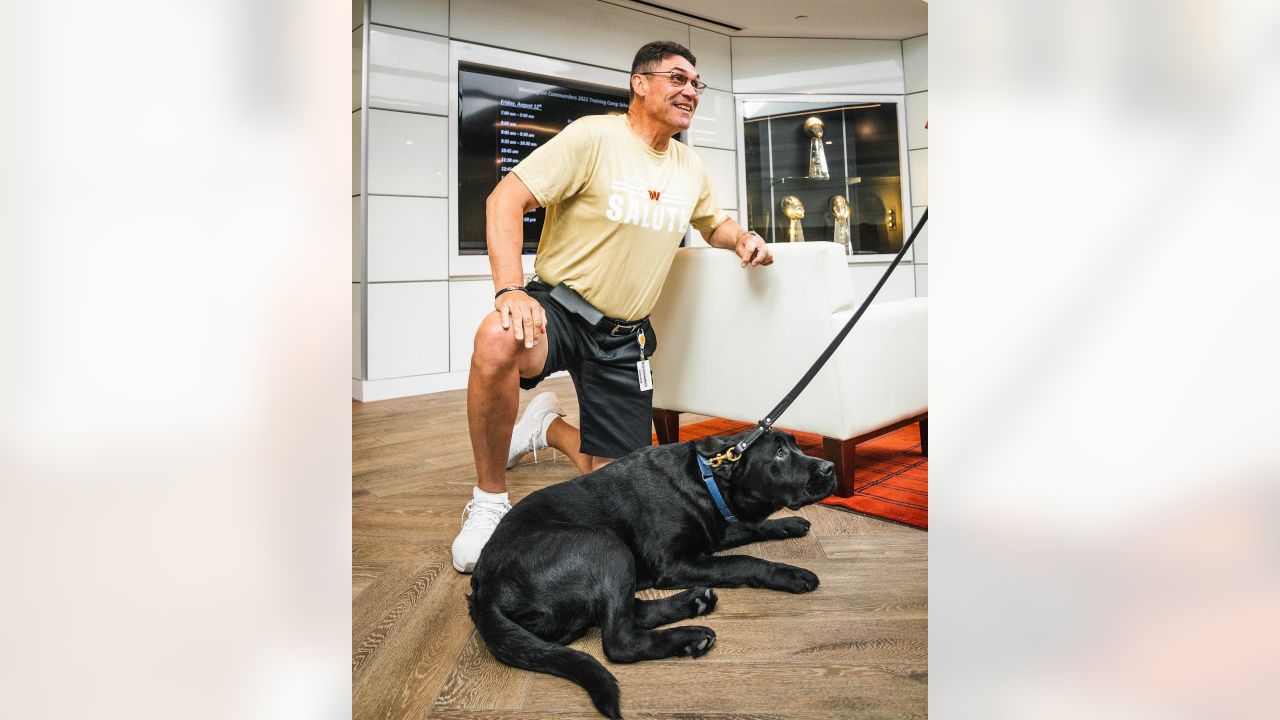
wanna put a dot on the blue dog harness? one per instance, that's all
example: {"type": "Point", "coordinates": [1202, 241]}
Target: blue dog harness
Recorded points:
{"type": "Point", "coordinates": [710, 480]}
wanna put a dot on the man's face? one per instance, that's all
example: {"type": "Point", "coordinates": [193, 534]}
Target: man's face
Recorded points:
{"type": "Point", "coordinates": [667, 103]}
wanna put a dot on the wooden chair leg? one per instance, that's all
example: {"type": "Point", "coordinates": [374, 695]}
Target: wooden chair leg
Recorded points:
{"type": "Point", "coordinates": [666, 423]}
{"type": "Point", "coordinates": [841, 454]}
{"type": "Point", "coordinates": [924, 437]}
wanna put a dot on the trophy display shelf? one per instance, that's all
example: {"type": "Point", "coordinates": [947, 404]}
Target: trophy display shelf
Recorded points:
{"type": "Point", "coordinates": [815, 183]}
{"type": "Point", "coordinates": [831, 172]}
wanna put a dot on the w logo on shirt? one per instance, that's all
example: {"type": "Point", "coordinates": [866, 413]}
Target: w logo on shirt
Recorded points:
{"type": "Point", "coordinates": [654, 195]}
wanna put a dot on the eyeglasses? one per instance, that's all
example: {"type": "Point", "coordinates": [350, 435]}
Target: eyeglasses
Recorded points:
{"type": "Point", "coordinates": [679, 79]}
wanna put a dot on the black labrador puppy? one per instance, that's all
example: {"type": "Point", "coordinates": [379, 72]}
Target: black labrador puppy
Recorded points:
{"type": "Point", "coordinates": [571, 556]}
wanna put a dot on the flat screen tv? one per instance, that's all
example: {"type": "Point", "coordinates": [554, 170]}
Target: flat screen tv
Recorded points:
{"type": "Point", "coordinates": [503, 115]}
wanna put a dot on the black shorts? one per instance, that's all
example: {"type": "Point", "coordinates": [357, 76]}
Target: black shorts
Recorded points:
{"type": "Point", "coordinates": [615, 414]}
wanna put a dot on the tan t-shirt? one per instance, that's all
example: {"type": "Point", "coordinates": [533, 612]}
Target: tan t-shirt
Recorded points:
{"type": "Point", "coordinates": [616, 211]}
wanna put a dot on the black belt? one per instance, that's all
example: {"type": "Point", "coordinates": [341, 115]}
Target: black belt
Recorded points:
{"type": "Point", "coordinates": [570, 300]}
{"type": "Point", "coordinates": [617, 327]}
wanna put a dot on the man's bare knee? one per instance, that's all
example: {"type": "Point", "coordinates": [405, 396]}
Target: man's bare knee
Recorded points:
{"type": "Point", "coordinates": [495, 346]}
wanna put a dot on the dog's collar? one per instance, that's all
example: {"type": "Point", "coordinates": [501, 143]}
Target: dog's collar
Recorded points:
{"type": "Point", "coordinates": [710, 480]}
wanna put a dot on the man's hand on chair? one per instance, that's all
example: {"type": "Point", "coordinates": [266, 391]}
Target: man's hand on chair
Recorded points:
{"type": "Point", "coordinates": [752, 249]}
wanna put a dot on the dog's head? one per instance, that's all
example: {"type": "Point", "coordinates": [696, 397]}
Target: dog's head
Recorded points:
{"type": "Point", "coordinates": [772, 474]}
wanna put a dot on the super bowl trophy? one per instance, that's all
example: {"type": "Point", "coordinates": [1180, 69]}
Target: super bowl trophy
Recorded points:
{"type": "Point", "coordinates": [840, 211]}
{"type": "Point", "coordinates": [817, 154]}
{"type": "Point", "coordinates": [793, 209]}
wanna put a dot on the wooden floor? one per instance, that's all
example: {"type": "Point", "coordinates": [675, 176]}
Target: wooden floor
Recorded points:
{"type": "Point", "coordinates": [856, 647]}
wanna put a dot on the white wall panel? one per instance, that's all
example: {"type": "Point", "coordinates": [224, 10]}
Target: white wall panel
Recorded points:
{"type": "Point", "coordinates": [408, 238]}
{"type": "Point", "coordinates": [805, 65]}
{"type": "Point", "coordinates": [921, 247]}
{"type": "Point", "coordinates": [901, 285]}
{"type": "Point", "coordinates": [357, 118]}
{"type": "Point", "coordinates": [408, 154]}
{"type": "Point", "coordinates": [713, 51]}
{"type": "Point", "coordinates": [713, 123]}
{"type": "Point", "coordinates": [408, 329]}
{"type": "Point", "coordinates": [722, 167]}
{"type": "Point", "coordinates": [469, 302]}
{"type": "Point", "coordinates": [922, 281]}
{"type": "Point", "coordinates": [915, 59]}
{"type": "Point", "coordinates": [357, 340]}
{"type": "Point", "coordinates": [918, 162]}
{"type": "Point", "coordinates": [581, 30]}
{"type": "Point", "coordinates": [357, 241]}
{"type": "Point", "coordinates": [425, 15]}
{"type": "Point", "coordinates": [917, 116]}
{"type": "Point", "coordinates": [693, 238]}
{"type": "Point", "coordinates": [408, 71]}
{"type": "Point", "coordinates": [357, 68]}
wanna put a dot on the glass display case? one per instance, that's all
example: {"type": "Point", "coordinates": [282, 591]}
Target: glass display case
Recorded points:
{"type": "Point", "coordinates": [830, 169]}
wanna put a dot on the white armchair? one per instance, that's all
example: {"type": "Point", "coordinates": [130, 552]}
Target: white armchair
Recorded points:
{"type": "Point", "coordinates": [734, 341]}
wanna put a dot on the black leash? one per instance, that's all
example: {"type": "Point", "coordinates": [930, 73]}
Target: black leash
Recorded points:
{"type": "Point", "coordinates": [735, 452]}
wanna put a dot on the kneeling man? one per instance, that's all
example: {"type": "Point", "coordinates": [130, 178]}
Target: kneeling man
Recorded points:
{"type": "Point", "coordinates": [620, 194]}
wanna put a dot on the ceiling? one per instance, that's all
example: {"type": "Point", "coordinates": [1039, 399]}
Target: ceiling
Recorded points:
{"type": "Point", "coordinates": [858, 19]}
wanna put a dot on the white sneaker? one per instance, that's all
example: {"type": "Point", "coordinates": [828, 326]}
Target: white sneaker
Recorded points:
{"type": "Point", "coordinates": [479, 519]}
{"type": "Point", "coordinates": [530, 432]}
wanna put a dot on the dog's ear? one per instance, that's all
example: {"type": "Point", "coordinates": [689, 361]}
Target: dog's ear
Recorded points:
{"type": "Point", "coordinates": [709, 447]}
{"type": "Point", "coordinates": [713, 445]}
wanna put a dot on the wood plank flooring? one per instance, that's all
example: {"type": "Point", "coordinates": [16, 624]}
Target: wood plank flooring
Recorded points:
{"type": "Point", "coordinates": [857, 647]}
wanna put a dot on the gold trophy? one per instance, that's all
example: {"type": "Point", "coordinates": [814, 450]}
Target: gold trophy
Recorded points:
{"type": "Point", "coordinates": [817, 154]}
{"type": "Point", "coordinates": [793, 209]}
{"type": "Point", "coordinates": [840, 211]}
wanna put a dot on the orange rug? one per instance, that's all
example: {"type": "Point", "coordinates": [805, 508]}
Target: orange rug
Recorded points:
{"type": "Point", "coordinates": [891, 477]}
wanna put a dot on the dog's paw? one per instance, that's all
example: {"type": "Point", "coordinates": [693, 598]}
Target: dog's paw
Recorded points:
{"type": "Point", "coordinates": [694, 640]}
{"type": "Point", "coordinates": [794, 579]}
{"type": "Point", "coordinates": [704, 601]}
{"type": "Point", "coordinates": [789, 527]}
